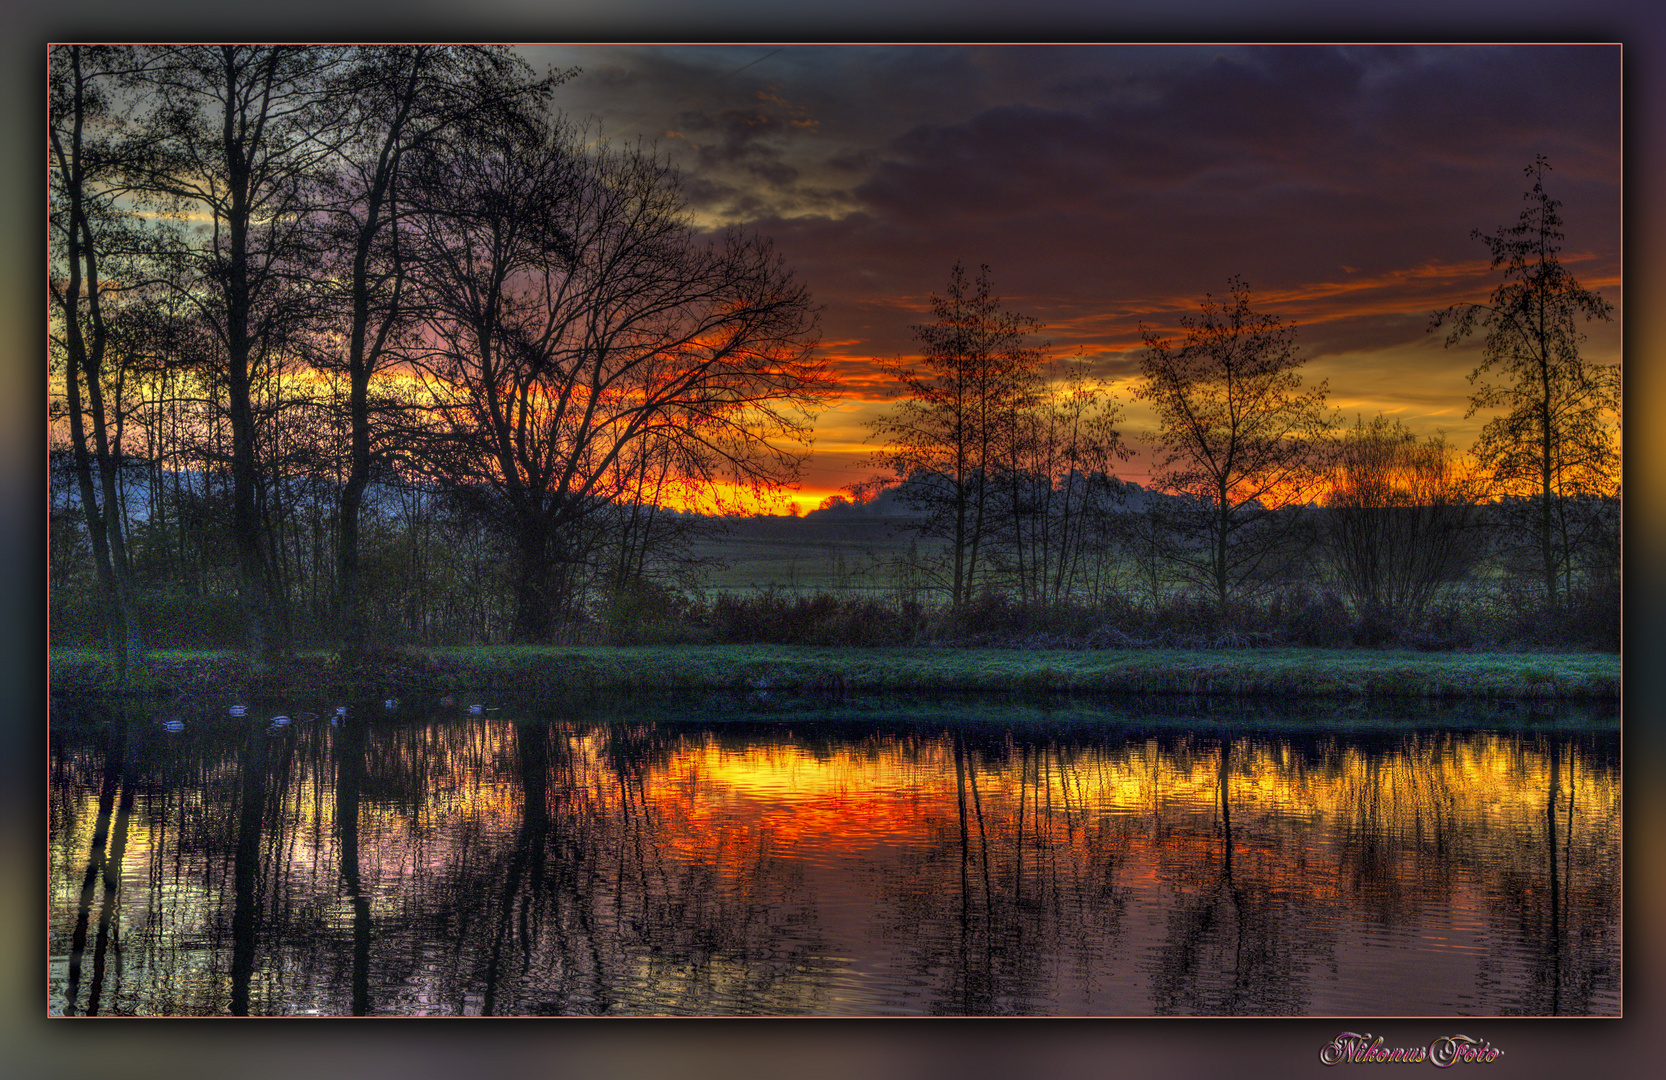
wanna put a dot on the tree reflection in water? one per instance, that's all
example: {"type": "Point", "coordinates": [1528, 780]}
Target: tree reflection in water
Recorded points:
{"type": "Point", "coordinates": [349, 745]}
{"type": "Point", "coordinates": [545, 863]}
{"type": "Point", "coordinates": [103, 864]}
{"type": "Point", "coordinates": [1238, 944]}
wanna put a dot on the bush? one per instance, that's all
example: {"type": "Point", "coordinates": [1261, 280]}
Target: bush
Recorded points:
{"type": "Point", "coordinates": [1446, 626]}
{"type": "Point", "coordinates": [177, 619]}
{"type": "Point", "coordinates": [1189, 615]}
{"type": "Point", "coordinates": [75, 619]}
{"type": "Point", "coordinates": [1303, 615]}
{"type": "Point", "coordinates": [172, 618]}
{"type": "Point", "coordinates": [782, 618]}
{"type": "Point", "coordinates": [1591, 617]}
{"type": "Point", "coordinates": [648, 613]}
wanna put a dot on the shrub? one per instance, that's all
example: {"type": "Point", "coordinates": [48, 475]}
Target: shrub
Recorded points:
{"type": "Point", "coordinates": [178, 619]}
{"type": "Point", "coordinates": [774, 616]}
{"type": "Point", "coordinates": [648, 613]}
{"type": "Point", "coordinates": [1304, 615]}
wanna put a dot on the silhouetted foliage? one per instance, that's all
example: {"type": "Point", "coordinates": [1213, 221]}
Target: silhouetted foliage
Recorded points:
{"type": "Point", "coordinates": [88, 228]}
{"type": "Point", "coordinates": [1240, 440]}
{"type": "Point", "coordinates": [314, 218]}
{"type": "Point", "coordinates": [406, 99]}
{"type": "Point", "coordinates": [253, 248]}
{"type": "Point", "coordinates": [1002, 454]}
{"type": "Point", "coordinates": [583, 335]}
{"type": "Point", "coordinates": [1557, 437]}
{"type": "Point", "coordinates": [1400, 521]}
{"type": "Point", "coordinates": [946, 440]}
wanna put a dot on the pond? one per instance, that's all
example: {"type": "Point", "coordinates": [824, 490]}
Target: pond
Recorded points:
{"type": "Point", "coordinates": [728, 857]}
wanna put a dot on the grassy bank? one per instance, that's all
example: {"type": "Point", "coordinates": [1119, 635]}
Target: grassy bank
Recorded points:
{"type": "Point", "coordinates": [1289, 673]}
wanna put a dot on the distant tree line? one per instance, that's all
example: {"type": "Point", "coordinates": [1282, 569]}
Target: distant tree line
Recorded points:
{"type": "Point", "coordinates": [354, 346]}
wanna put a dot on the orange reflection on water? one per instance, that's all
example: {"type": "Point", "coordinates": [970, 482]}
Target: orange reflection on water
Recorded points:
{"type": "Point", "coordinates": [685, 868]}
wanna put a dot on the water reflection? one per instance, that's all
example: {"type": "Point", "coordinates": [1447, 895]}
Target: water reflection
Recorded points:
{"type": "Point", "coordinates": [542, 862]}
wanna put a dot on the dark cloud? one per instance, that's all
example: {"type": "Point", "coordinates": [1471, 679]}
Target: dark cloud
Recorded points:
{"type": "Point", "coordinates": [1277, 163]}
{"type": "Point", "coordinates": [739, 138]}
{"type": "Point", "coordinates": [1110, 187]}
{"type": "Point", "coordinates": [853, 160]}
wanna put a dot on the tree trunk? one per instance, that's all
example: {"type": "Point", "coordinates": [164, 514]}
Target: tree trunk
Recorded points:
{"type": "Point", "coordinates": [534, 602]}
{"type": "Point", "coordinates": [351, 606]}
{"type": "Point", "coordinates": [84, 360]}
{"type": "Point", "coordinates": [252, 583]}
{"type": "Point", "coordinates": [253, 590]}
{"type": "Point", "coordinates": [360, 363]}
{"type": "Point", "coordinates": [1223, 515]}
{"type": "Point", "coordinates": [1547, 545]}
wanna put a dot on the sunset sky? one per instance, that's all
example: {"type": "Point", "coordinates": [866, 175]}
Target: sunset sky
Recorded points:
{"type": "Point", "coordinates": [1102, 187]}
{"type": "Point", "coordinates": [1106, 186]}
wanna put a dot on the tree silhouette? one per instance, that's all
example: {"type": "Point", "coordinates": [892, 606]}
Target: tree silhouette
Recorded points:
{"type": "Point", "coordinates": [1058, 498]}
{"type": "Point", "coordinates": [1239, 439]}
{"type": "Point", "coordinates": [1556, 437]}
{"type": "Point", "coordinates": [238, 135]}
{"type": "Point", "coordinates": [945, 440]}
{"type": "Point", "coordinates": [1399, 519]}
{"type": "Point", "coordinates": [576, 319]}
{"type": "Point", "coordinates": [405, 97]}
{"type": "Point", "coordinates": [86, 229]}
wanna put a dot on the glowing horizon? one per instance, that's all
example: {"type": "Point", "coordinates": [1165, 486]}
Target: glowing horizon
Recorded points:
{"type": "Point", "coordinates": [1108, 188]}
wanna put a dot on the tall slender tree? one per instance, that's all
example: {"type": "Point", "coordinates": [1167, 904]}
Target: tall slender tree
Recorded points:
{"type": "Point", "coordinates": [236, 138]}
{"type": "Point", "coordinates": [1239, 439]}
{"type": "Point", "coordinates": [86, 226]}
{"type": "Point", "coordinates": [1556, 439]}
{"type": "Point", "coordinates": [1057, 488]}
{"type": "Point", "coordinates": [945, 440]}
{"type": "Point", "coordinates": [405, 97]}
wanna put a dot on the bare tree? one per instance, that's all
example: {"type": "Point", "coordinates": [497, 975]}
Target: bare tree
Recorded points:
{"type": "Point", "coordinates": [236, 138]}
{"type": "Point", "coordinates": [1056, 483]}
{"type": "Point", "coordinates": [1556, 440]}
{"type": "Point", "coordinates": [1240, 441]}
{"type": "Point", "coordinates": [1399, 519]}
{"type": "Point", "coordinates": [575, 315]}
{"type": "Point", "coordinates": [944, 442]}
{"type": "Point", "coordinates": [85, 224]}
{"type": "Point", "coordinates": [404, 97]}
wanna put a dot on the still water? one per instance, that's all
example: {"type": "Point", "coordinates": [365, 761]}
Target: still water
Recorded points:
{"type": "Point", "coordinates": [706, 859]}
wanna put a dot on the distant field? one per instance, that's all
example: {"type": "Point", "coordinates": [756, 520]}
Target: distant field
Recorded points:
{"type": "Point", "coordinates": [810, 554]}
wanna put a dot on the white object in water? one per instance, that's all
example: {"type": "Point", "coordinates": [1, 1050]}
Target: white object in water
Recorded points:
{"type": "Point", "coordinates": [280, 721]}
{"type": "Point", "coordinates": [173, 725]}
{"type": "Point", "coordinates": [239, 710]}
{"type": "Point", "coordinates": [391, 703]}
{"type": "Point", "coordinates": [476, 710]}
{"type": "Point", "coordinates": [341, 710]}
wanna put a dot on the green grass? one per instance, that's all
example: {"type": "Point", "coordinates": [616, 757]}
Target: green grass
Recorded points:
{"type": "Point", "coordinates": [1290, 673]}
{"type": "Point", "coordinates": [806, 554]}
